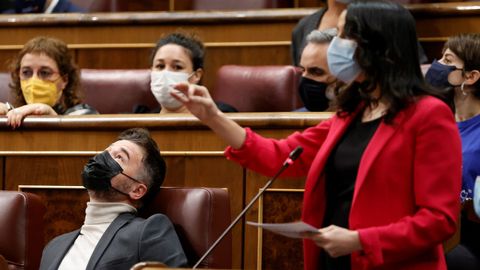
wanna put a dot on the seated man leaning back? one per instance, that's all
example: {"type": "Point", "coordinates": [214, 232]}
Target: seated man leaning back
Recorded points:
{"type": "Point", "coordinates": [120, 180]}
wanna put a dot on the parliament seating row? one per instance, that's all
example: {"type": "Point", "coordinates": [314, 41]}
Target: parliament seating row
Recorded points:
{"type": "Point", "coordinates": [248, 89]}
{"type": "Point", "coordinates": [199, 215]}
{"type": "Point", "coordinates": [153, 5]}
{"type": "Point", "coordinates": [256, 37]}
{"type": "Point", "coordinates": [165, 5]}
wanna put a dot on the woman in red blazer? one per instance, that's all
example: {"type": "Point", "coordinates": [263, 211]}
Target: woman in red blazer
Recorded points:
{"type": "Point", "coordinates": [384, 173]}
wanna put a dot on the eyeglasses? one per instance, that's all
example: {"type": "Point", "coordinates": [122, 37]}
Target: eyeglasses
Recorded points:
{"type": "Point", "coordinates": [44, 74]}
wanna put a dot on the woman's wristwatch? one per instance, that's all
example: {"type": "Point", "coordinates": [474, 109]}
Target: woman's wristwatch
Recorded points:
{"type": "Point", "coordinates": [9, 106]}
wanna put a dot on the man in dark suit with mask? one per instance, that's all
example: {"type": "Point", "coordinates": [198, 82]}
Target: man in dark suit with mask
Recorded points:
{"type": "Point", "coordinates": [317, 86]}
{"type": "Point", "coordinates": [127, 175]}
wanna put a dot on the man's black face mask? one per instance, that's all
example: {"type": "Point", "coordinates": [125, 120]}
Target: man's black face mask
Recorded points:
{"type": "Point", "coordinates": [313, 95]}
{"type": "Point", "coordinates": [99, 171]}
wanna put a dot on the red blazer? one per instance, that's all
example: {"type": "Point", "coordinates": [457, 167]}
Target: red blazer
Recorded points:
{"type": "Point", "coordinates": [406, 197]}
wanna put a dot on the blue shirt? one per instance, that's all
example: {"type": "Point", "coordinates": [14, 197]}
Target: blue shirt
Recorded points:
{"type": "Point", "coordinates": [470, 134]}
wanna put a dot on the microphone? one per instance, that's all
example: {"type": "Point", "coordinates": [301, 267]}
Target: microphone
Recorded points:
{"type": "Point", "coordinates": [289, 161]}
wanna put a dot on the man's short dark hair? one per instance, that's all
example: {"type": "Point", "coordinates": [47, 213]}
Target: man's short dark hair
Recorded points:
{"type": "Point", "coordinates": [155, 168]}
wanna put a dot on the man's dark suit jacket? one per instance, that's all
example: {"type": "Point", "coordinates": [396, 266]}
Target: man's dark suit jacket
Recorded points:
{"type": "Point", "coordinates": [127, 241]}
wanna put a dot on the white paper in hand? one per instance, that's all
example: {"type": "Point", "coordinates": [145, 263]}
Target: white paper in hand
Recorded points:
{"type": "Point", "coordinates": [292, 229]}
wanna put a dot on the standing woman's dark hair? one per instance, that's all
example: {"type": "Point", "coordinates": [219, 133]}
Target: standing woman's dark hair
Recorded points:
{"type": "Point", "coordinates": [387, 53]}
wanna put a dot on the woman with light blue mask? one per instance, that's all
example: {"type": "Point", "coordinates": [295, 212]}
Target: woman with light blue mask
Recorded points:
{"type": "Point", "coordinates": [381, 183]}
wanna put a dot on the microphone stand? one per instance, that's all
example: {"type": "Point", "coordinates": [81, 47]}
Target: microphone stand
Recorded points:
{"type": "Point", "coordinates": [289, 161]}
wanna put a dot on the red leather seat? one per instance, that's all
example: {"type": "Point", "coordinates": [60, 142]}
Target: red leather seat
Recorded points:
{"type": "Point", "coordinates": [3, 263]}
{"type": "Point", "coordinates": [235, 4]}
{"type": "Point", "coordinates": [199, 215]}
{"type": "Point", "coordinates": [117, 91]}
{"type": "Point", "coordinates": [91, 6]}
{"type": "Point", "coordinates": [258, 88]}
{"type": "Point", "coordinates": [5, 92]}
{"type": "Point", "coordinates": [21, 229]}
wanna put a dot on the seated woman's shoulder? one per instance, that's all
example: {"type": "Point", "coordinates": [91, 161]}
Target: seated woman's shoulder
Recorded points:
{"type": "Point", "coordinates": [81, 109]}
{"type": "Point", "coordinates": [224, 107]}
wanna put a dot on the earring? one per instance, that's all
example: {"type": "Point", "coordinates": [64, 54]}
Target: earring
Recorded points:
{"type": "Point", "coordinates": [462, 89]}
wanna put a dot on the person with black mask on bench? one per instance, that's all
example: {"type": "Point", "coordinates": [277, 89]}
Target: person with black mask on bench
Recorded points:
{"type": "Point", "coordinates": [317, 87]}
{"type": "Point", "coordinates": [119, 180]}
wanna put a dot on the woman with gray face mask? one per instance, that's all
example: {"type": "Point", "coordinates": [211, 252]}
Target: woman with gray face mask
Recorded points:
{"type": "Point", "coordinates": [177, 58]}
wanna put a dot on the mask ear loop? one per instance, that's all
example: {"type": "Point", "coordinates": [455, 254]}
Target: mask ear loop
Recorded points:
{"type": "Point", "coordinates": [121, 192]}
{"type": "Point", "coordinates": [129, 177]}
{"type": "Point", "coordinates": [462, 86]}
{"type": "Point", "coordinates": [191, 75]}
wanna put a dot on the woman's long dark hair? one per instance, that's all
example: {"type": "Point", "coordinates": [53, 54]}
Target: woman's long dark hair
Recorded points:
{"type": "Point", "coordinates": [387, 52]}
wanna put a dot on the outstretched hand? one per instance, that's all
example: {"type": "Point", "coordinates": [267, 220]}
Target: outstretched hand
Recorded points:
{"type": "Point", "coordinates": [196, 99]}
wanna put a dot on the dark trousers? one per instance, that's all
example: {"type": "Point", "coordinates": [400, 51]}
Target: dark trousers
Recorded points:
{"type": "Point", "coordinates": [466, 255]}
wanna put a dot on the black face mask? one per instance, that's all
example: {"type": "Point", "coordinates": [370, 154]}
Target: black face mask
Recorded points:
{"type": "Point", "coordinates": [313, 95]}
{"type": "Point", "coordinates": [98, 172]}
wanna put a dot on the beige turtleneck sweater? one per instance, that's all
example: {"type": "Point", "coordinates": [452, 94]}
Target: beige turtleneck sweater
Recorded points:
{"type": "Point", "coordinates": [99, 215]}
